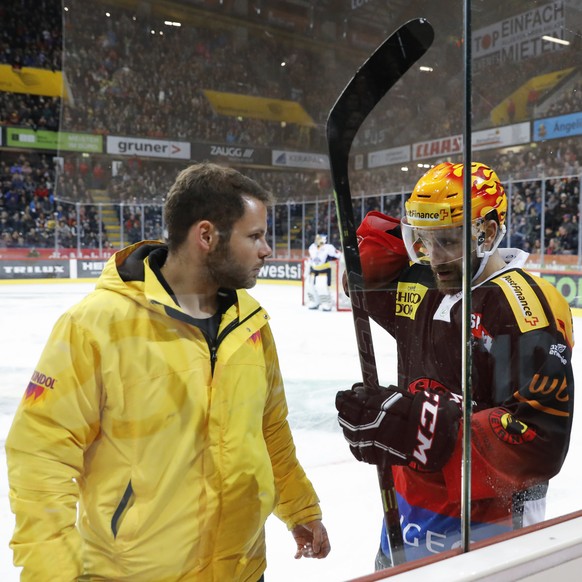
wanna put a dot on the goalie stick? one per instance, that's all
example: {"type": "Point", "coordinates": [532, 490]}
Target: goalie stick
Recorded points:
{"type": "Point", "coordinates": [371, 82]}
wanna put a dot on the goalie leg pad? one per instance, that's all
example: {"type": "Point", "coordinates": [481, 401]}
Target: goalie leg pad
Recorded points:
{"type": "Point", "coordinates": [313, 300]}
{"type": "Point", "coordinates": [312, 294]}
{"type": "Point", "coordinates": [326, 304]}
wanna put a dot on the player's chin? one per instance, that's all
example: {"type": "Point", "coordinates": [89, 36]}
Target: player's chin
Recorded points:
{"type": "Point", "coordinates": [447, 280]}
{"type": "Point", "coordinates": [447, 289]}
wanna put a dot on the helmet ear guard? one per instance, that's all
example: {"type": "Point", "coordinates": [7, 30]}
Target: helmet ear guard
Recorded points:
{"type": "Point", "coordinates": [482, 254]}
{"type": "Point", "coordinates": [480, 235]}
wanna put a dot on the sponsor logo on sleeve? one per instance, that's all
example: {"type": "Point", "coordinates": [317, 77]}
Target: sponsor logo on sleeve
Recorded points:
{"type": "Point", "coordinates": [526, 306]}
{"type": "Point", "coordinates": [546, 394]}
{"type": "Point", "coordinates": [38, 385]}
{"type": "Point", "coordinates": [422, 384]}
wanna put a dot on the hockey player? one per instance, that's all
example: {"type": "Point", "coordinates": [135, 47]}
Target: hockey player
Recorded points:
{"type": "Point", "coordinates": [158, 410]}
{"type": "Point", "coordinates": [320, 255]}
{"type": "Point", "coordinates": [522, 380]}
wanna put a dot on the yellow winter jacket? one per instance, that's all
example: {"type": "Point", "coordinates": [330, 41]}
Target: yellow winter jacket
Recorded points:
{"type": "Point", "coordinates": [174, 462]}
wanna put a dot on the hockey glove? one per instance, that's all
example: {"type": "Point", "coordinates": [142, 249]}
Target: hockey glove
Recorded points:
{"type": "Point", "coordinates": [391, 427]}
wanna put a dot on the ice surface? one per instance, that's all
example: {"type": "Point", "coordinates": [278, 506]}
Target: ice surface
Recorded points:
{"type": "Point", "coordinates": [318, 356]}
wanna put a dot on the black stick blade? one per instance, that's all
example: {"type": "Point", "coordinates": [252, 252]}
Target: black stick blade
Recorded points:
{"type": "Point", "coordinates": [383, 69]}
{"type": "Point", "coordinates": [373, 80]}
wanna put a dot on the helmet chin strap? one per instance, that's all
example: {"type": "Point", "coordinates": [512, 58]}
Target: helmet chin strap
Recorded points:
{"type": "Point", "coordinates": [485, 255]}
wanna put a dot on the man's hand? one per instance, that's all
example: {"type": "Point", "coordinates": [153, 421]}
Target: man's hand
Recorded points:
{"type": "Point", "coordinates": [389, 426]}
{"type": "Point", "coordinates": [311, 539]}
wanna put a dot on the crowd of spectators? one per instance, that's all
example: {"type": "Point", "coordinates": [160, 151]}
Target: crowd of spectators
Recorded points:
{"type": "Point", "coordinates": [50, 202]}
{"type": "Point", "coordinates": [122, 82]}
{"type": "Point", "coordinates": [569, 102]}
{"type": "Point", "coordinates": [31, 34]}
{"type": "Point", "coordinates": [32, 217]}
{"type": "Point", "coordinates": [553, 224]}
{"type": "Point", "coordinates": [128, 74]}
{"type": "Point", "coordinates": [30, 111]}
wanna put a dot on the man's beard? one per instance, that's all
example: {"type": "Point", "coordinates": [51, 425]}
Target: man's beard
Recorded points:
{"type": "Point", "coordinates": [226, 272]}
{"type": "Point", "coordinates": [449, 276]}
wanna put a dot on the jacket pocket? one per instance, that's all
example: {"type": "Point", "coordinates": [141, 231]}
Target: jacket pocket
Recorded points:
{"type": "Point", "coordinates": [121, 510]}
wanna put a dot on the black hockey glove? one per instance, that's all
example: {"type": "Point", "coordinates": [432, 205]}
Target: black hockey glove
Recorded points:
{"type": "Point", "coordinates": [391, 427]}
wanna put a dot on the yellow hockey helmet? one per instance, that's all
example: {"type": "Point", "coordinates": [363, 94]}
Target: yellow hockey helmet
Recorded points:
{"type": "Point", "coordinates": [433, 226]}
{"type": "Point", "coordinates": [437, 198]}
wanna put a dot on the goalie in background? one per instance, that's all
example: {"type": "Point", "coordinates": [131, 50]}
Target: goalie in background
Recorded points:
{"type": "Point", "coordinates": [320, 255]}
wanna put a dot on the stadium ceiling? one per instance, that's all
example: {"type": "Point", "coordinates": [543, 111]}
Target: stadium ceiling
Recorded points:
{"type": "Point", "coordinates": [369, 20]}
{"type": "Point", "coordinates": [376, 12]}
{"type": "Point", "coordinates": [366, 11]}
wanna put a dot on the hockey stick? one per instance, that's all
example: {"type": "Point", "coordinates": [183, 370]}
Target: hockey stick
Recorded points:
{"type": "Point", "coordinates": [371, 82]}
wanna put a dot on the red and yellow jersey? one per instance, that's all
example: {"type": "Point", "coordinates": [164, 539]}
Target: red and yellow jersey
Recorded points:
{"type": "Point", "coordinates": [522, 392]}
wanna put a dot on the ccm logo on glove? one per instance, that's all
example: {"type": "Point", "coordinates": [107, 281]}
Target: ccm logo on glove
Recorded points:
{"type": "Point", "coordinates": [388, 426]}
{"type": "Point", "coordinates": [428, 420]}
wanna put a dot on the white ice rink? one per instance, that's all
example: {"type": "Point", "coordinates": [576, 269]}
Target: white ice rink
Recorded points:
{"type": "Point", "coordinates": [318, 357]}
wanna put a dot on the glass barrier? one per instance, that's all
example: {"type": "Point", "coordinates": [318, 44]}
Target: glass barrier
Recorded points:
{"type": "Point", "coordinates": [152, 87]}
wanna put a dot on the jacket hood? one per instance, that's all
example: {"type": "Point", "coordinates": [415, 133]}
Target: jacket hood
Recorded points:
{"type": "Point", "coordinates": [128, 272]}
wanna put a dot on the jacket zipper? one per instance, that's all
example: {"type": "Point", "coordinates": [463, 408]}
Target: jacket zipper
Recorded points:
{"type": "Point", "coordinates": [213, 345]}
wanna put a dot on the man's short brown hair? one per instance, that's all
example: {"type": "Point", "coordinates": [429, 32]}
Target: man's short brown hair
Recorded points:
{"type": "Point", "coordinates": [208, 191]}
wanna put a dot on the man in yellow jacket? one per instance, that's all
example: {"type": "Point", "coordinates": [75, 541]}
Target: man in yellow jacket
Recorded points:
{"type": "Point", "coordinates": [152, 441]}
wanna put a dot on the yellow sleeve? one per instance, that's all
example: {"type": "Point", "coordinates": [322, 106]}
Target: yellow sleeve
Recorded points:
{"type": "Point", "coordinates": [297, 500]}
{"type": "Point", "coordinates": [57, 419]}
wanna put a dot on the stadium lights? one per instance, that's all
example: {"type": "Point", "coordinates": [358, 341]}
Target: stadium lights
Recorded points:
{"type": "Point", "coordinates": [556, 40]}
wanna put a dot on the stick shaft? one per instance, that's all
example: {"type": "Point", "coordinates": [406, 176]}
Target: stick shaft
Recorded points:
{"type": "Point", "coordinates": [369, 85]}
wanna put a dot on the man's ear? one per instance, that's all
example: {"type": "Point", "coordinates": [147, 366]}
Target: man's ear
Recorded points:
{"type": "Point", "coordinates": [203, 235]}
{"type": "Point", "coordinates": [491, 230]}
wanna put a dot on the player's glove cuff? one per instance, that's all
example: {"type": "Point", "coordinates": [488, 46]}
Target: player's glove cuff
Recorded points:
{"type": "Point", "coordinates": [391, 426]}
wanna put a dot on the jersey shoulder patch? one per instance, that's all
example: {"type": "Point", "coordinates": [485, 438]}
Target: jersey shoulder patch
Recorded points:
{"type": "Point", "coordinates": [527, 309]}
